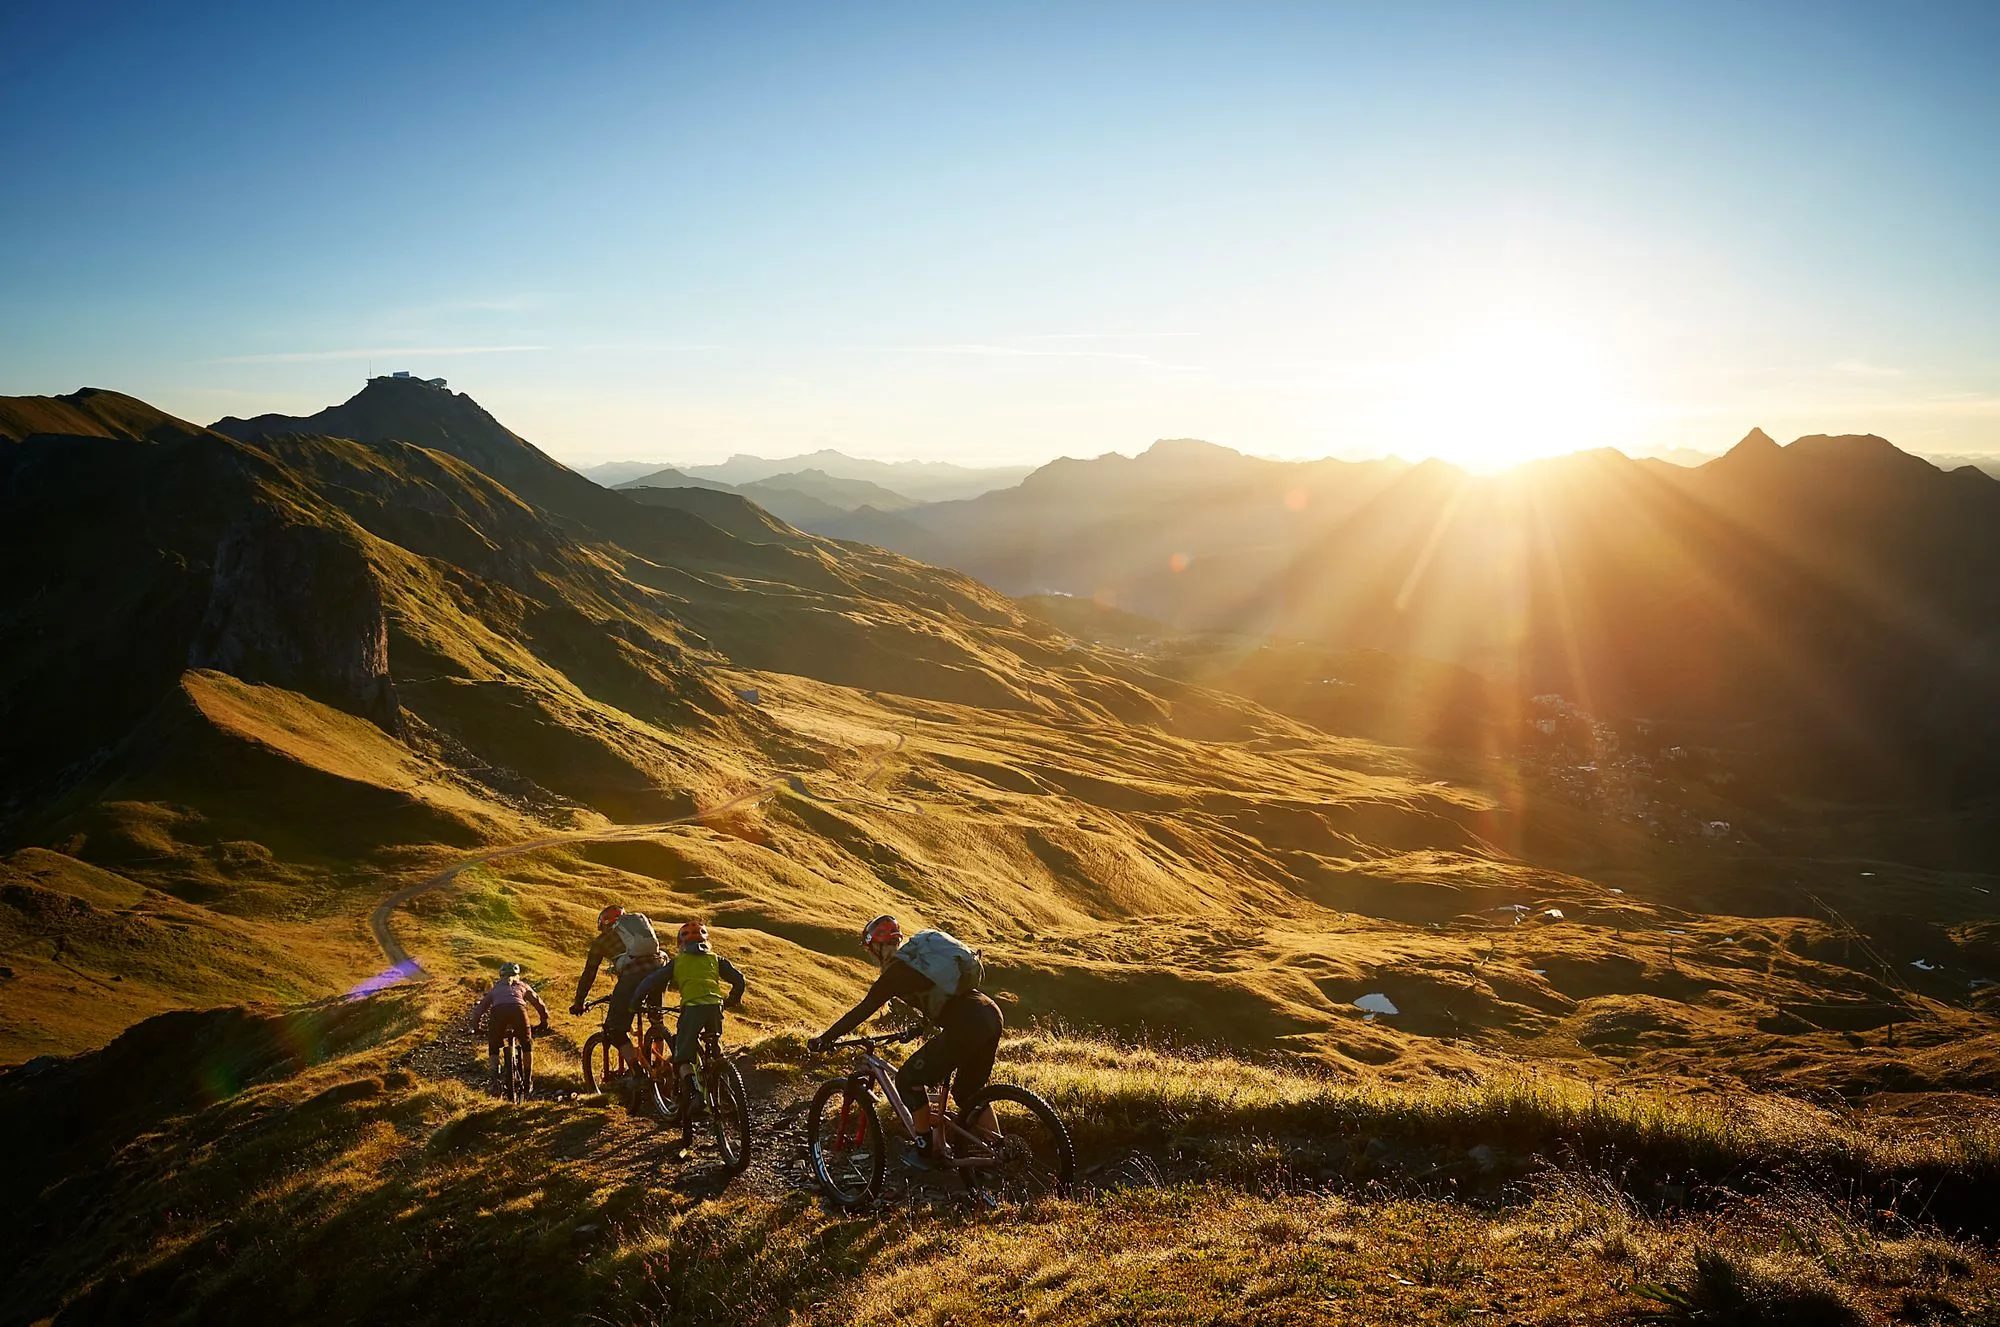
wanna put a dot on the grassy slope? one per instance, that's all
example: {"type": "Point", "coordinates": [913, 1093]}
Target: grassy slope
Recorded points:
{"type": "Point", "coordinates": [1146, 884]}
{"type": "Point", "coordinates": [330, 1164]}
{"type": "Point", "coordinates": [1240, 893]}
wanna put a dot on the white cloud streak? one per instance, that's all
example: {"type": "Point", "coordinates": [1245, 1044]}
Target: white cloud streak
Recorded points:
{"type": "Point", "coordinates": [1005, 352]}
{"type": "Point", "coordinates": [1106, 336]}
{"type": "Point", "coordinates": [306, 356]}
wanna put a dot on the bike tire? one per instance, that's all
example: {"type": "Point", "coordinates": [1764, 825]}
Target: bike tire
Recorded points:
{"type": "Point", "coordinates": [658, 1046]}
{"type": "Point", "coordinates": [600, 1059]}
{"type": "Point", "coordinates": [509, 1087]}
{"type": "Point", "coordinates": [521, 1070]}
{"type": "Point", "coordinates": [1040, 1160]}
{"type": "Point", "coordinates": [844, 1144]}
{"type": "Point", "coordinates": [729, 1112]}
{"type": "Point", "coordinates": [656, 1051]}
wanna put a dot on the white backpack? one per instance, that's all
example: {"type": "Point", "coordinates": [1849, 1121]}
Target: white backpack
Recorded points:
{"type": "Point", "coordinates": [640, 941]}
{"type": "Point", "coordinates": [953, 967]}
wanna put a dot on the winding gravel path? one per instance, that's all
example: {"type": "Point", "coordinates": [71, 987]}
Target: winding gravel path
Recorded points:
{"type": "Point", "coordinates": [402, 967]}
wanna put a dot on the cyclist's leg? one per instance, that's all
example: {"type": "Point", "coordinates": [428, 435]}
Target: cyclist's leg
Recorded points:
{"type": "Point", "coordinates": [980, 1024]}
{"type": "Point", "coordinates": [647, 994]}
{"type": "Point", "coordinates": [618, 1014]}
{"type": "Point", "coordinates": [695, 1019]}
{"type": "Point", "coordinates": [924, 1070]}
{"type": "Point", "coordinates": [496, 1032]}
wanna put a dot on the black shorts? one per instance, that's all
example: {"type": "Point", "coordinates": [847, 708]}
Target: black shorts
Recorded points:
{"type": "Point", "coordinates": [503, 1021]}
{"type": "Point", "coordinates": [969, 1036]}
{"type": "Point", "coordinates": [694, 1020]}
{"type": "Point", "coordinates": [618, 1015]}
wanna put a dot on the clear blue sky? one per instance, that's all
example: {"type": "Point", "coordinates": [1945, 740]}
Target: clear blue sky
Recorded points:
{"type": "Point", "coordinates": [1003, 232]}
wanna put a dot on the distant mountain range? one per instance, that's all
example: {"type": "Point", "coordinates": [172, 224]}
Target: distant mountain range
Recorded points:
{"type": "Point", "coordinates": [1985, 461]}
{"type": "Point", "coordinates": [807, 498]}
{"type": "Point", "coordinates": [1838, 599]}
{"type": "Point", "coordinates": [1834, 601]}
{"type": "Point", "coordinates": [922, 481]}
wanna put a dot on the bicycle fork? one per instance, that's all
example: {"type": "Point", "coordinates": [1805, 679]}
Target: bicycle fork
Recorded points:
{"type": "Point", "coordinates": [846, 1136]}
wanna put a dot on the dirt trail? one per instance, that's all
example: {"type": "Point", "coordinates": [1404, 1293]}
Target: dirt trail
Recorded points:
{"type": "Point", "coordinates": [399, 958]}
{"type": "Point", "coordinates": [404, 968]}
{"type": "Point", "coordinates": [642, 1145]}
{"type": "Point", "coordinates": [638, 1143]}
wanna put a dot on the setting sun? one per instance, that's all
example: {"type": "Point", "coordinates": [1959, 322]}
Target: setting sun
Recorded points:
{"type": "Point", "coordinates": [1505, 392]}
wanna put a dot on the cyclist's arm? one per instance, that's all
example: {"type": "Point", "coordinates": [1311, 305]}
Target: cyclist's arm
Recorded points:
{"type": "Point", "coordinates": [541, 1010]}
{"type": "Point", "coordinates": [899, 978]}
{"type": "Point", "coordinates": [479, 1010]}
{"type": "Point", "coordinates": [607, 945]}
{"type": "Point", "coordinates": [648, 991]}
{"type": "Point", "coordinates": [735, 980]}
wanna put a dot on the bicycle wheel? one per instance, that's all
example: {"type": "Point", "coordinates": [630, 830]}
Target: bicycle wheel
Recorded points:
{"type": "Point", "coordinates": [658, 1060]}
{"type": "Point", "coordinates": [600, 1062]}
{"type": "Point", "coordinates": [510, 1087]}
{"type": "Point", "coordinates": [520, 1070]}
{"type": "Point", "coordinates": [657, 1045]}
{"type": "Point", "coordinates": [844, 1143]}
{"type": "Point", "coordinates": [729, 1114]}
{"type": "Point", "coordinates": [1032, 1157]}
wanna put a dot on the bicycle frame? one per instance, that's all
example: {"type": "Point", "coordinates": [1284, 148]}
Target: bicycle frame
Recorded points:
{"type": "Point", "coordinates": [878, 1074]}
{"type": "Point", "coordinates": [709, 1055]}
{"type": "Point", "coordinates": [632, 1053]}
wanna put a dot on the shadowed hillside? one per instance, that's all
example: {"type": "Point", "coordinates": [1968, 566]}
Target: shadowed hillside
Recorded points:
{"type": "Point", "coordinates": [1825, 606]}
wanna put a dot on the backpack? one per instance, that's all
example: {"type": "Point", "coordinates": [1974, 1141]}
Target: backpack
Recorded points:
{"type": "Point", "coordinates": [640, 941]}
{"type": "Point", "coordinates": [953, 967]}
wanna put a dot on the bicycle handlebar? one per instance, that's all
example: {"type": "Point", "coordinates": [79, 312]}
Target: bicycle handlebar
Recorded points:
{"type": "Point", "coordinates": [870, 1043]}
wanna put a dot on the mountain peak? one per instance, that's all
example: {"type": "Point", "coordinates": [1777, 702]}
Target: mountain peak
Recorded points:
{"type": "Point", "coordinates": [405, 409]}
{"type": "Point", "coordinates": [1189, 449]}
{"type": "Point", "coordinates": [1756, 453]}
{"type": "Point", "coordinates": [411, 410]}
{"type": "Point", "coordinates": [88, 412]}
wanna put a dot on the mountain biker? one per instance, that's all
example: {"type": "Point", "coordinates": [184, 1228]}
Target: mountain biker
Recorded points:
{"type": "Point", "coordinates": [937, 977]}
{"type": "Point", "coordinates": [628, 941]}
{"type": "Point", "coordinates": [504, 1007]}
{"type": "Point", "coordinates": [697, 972]}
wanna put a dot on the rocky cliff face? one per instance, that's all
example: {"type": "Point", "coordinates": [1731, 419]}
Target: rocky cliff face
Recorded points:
{"type": "Point", "coordinates": [298, 606]}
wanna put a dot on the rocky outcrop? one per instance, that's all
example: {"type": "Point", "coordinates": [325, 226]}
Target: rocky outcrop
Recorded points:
{"type": "Point", "coordinates": [298, 606]}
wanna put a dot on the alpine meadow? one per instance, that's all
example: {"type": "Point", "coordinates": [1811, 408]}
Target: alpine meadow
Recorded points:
{"type": "Point", "coordinates": [865, 818]}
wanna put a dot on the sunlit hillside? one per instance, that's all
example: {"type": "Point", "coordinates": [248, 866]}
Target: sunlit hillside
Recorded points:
{"type": "Point", "coordinates": [1291, 932]}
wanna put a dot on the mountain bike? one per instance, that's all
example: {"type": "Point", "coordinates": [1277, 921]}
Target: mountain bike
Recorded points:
{"type": "Point", "coordinates": [511, 1077]}
{"type": "Point", "coordinates": [652, 1083]}
{"type": "Point", "coordinates": [513, 1067]}
{"type": "Point", "coordinates": [1029, 1157]}
{"type": "Point", "coordinates": [605, 1070]}
{"type": "Point", "coordinates": [728, 1099]}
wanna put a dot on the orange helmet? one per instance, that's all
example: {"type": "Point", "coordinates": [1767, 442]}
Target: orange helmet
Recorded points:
{"type": "Point", "coordinates": [609, 915]}
{"type": "Point", "coordinates": [881, 931]}
{"type": "Point", "coordinates": [692, 934]}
